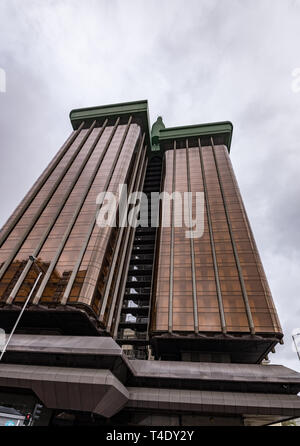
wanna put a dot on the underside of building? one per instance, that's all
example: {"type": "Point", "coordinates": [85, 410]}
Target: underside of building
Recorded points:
{"type": "Point", "coordinates": [89, 380]}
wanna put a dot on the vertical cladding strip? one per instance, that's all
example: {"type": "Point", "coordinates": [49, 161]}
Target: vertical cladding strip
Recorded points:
{"type": "Point", "coordinates": [235, 252]}
{"type": "Point", "coordinates": [21, 209]}
{"type": "Point", "coordinates": [170, 318]}
{"type": "Point", "coordinates": [195, 304]}
{"type": "Point", "coordinates": [93, 222]}
{"type": "Point", "coordinates": [77, 210]}
{"type": "Point", "coordinates": [116, 252]}
{"type": "Point", "coordinates": [44, 204]}
{"type": "Point", "coordinates": [52, 222]}
{"type": "Point", "coordinates": [124, 265]}
{"type": "Point", "coordinates": [212, 243]}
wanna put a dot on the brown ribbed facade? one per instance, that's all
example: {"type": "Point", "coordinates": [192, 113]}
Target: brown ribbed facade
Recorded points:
{"type": "Point", "coordinates": [56, 222]}
{"type": "Point", "coordinates": [228, 270]}
{"type": "Point", "coordinates": [157, 292]}
{"type": "Point", "coordinates": [217, 282]}
{"type": "Point", "coordinates": [214, 283]}
{"type": "Point", "coordinates": [138, 324]}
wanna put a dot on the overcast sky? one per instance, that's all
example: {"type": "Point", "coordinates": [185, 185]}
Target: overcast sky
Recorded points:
{"type": "Point", "coordinates": [195, 61]}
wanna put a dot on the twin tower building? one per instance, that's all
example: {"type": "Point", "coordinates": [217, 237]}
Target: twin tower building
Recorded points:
{"type": "Point", "coordinates": [148, 322]}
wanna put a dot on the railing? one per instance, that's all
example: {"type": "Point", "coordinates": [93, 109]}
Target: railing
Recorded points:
{"type": "Point", "coordinates": [133, 336]}
{"type": "Point", "coordinates": [143, 248]}
{"type": "Point", "coordinates": [137, 279]}
{"type": "Point", "coordinates": [137, 304]}
{"type": "Point", "coordinates": [138, 290]}
{"type": "Point", "coordinates": [134, 320]}
{"type": "Point", "coordinates": [131, 354]}
{"type": "Point", "coordinates": [136, 269]}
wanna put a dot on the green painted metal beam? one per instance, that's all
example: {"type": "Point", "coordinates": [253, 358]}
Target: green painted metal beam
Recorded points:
{"type": "Point", "coordinates": [137, 109]}
{"type": "Point", "coordinates": [211, 129]}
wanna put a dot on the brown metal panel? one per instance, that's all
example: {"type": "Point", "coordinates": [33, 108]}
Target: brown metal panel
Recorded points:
{"type": "Point", "coordinates": [209, 272]}
{"type": "Point", "coordinates": [190, 206]}
{"type": "Point", "coordinates": [183, 302]}
{"type": "Point", "coordinates": [232, 291]}
{"type": "Point", "coordinates": [75, 214]}
{"type": "Point", "coordinates": [84, 245]}
{"type": "Point", "coordinates": [118, 176]}
{"type": "Point", "coordinates": [162, 286]}
{"type": "Point", "coordinates": [139, 156]}
{"type": "Point", "coordinates": [97, 167]}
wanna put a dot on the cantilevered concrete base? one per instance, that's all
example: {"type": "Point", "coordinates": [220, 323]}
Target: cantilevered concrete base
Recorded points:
{"type": "Point", "coordinates": [91, 375]}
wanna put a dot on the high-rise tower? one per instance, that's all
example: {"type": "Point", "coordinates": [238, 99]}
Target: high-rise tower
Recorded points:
{"type": "Point", "coordinates": [116, 298]}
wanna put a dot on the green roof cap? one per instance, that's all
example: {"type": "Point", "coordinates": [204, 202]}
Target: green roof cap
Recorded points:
{"type": "Point", "coordinates": [137, 109]}
{"type": "Point", "coordinates": [222, 129]}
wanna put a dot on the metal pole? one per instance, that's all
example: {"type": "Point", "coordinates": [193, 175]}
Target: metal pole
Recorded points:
{"type": "Point", "coordinates": [20, 315]}
{"type": "Point", "coordinates": [293, 336]}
